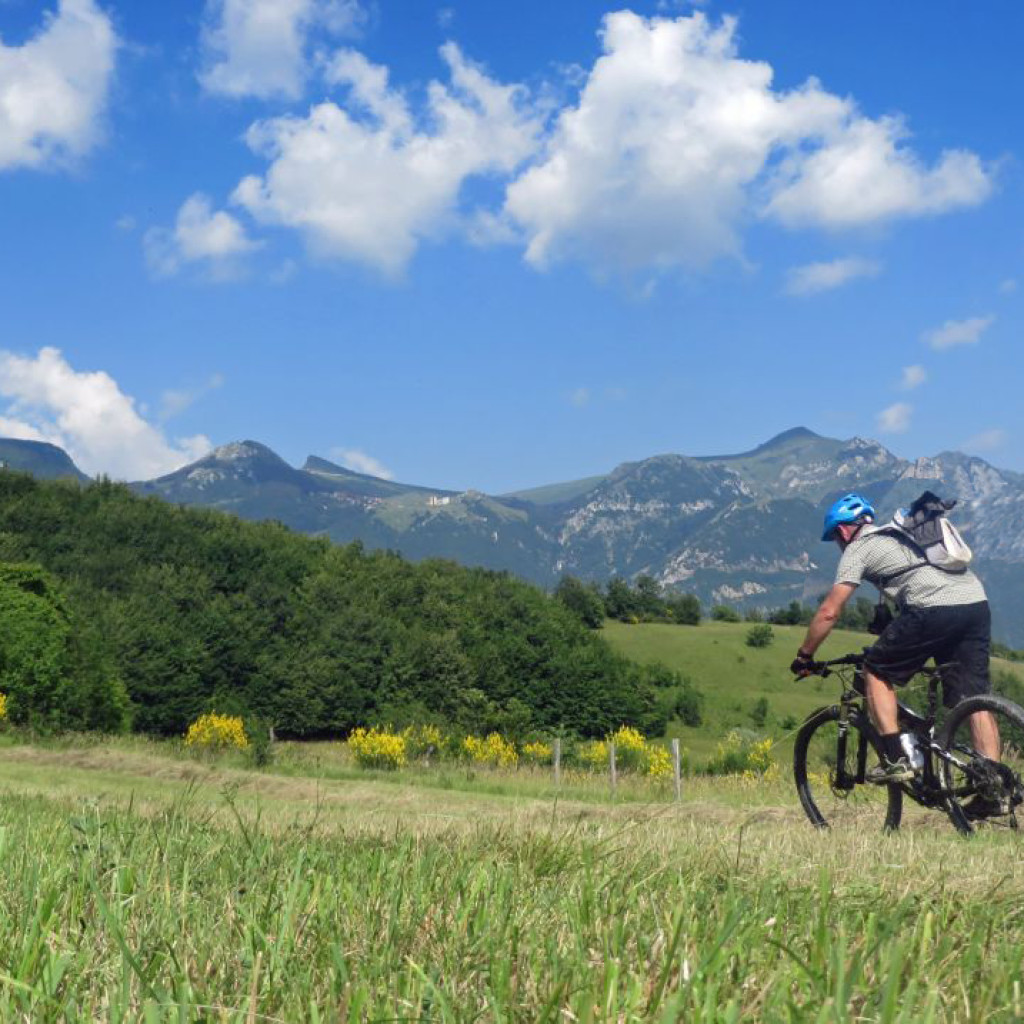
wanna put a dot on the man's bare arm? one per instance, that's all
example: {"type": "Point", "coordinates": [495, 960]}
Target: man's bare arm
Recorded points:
{"type": "Point", "coordinates": [826, 617]}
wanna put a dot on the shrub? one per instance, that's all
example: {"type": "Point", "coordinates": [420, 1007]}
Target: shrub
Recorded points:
{"type": "Point", "coordinates": [759, 712]}
{"type": "Point", "coordinates": [724, 613]}
{"type": "Point", "coordinates": [3, 707]}
{"type": "Point", "coordinates": [593, 755]}
{"type": "Point", "coordinates": [740, 755]}
{"type": "Point", "coordinates": [760, 636]}
{"type": "Point", "coordinates": [422, 741]}
{"type": "Point", "coordinates": [494, 750]}
{"type": "Point", "coordinates": [630, 748]}
{"type": "Point", "coordinates": [377, 748]}
{"type": "Point", "coordinates": [216, 732]}
{"type": "Point", "coordinates": [689, 705]}
{"type": "Point", "coordinates": [537, 753]}
{"type": "Point", "coordinates": [261, 748]}
{"type": "Point", "coordinates": [659, 763]}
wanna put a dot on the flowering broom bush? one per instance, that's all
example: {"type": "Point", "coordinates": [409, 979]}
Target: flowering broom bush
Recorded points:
{"type": "Point", "coordinates": [538, 753]}
{"type": "Point", "coordinates": [751, 759]}
{"type": "Point", "coordinates": [593, 755]}
{"type": "Point", "coordinates": [630, 748]}
{"type": "Point", "coordinates": [495, 751]}
{"type": "Point", "coordinates": [216, 732]}
{"type": "Point", "coordinates": [378, 748]}
{"type": "Point", "coordinates": [422, 741]}
{"type": "Point", "coordinates": [3, 707]}
{"type": "Point", "coordinates": [659, 762]}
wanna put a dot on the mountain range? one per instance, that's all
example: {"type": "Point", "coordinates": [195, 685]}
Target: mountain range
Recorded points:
{"type": "Point", "coordinates": [740, 529]}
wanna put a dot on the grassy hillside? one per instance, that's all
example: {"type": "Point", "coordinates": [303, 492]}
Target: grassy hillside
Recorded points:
{"type": "Point", "coordinates": [733, 676]}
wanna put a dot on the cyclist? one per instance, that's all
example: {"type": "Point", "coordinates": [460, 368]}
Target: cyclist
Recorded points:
{"type": "Point", "coordinates": [942, 615]}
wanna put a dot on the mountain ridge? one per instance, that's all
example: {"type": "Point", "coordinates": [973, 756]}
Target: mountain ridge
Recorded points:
{"type": "Point", "coordinates": [740, 528]}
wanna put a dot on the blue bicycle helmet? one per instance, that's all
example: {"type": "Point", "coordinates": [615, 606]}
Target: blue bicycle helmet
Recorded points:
{"type": "Point", "coordinates": [848, 509]}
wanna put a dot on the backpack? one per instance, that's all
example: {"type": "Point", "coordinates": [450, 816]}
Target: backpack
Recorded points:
{"type": "Point", "coordinates": [926, 529]}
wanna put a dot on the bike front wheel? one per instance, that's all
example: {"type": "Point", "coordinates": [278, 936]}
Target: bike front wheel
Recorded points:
{"type": "Point", "coordinates": [829, 773]}
{"type": "Point", "coordinates": [981, 789]}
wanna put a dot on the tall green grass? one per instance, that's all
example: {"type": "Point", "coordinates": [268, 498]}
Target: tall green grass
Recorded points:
{"type": "Point", "coordinates": [207, 904]}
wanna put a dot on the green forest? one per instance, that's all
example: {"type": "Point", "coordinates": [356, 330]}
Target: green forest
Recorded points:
{"type": "Point", "coordinates": [119, 612]}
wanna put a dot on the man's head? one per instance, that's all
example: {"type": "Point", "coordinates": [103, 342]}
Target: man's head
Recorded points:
{"type": "Point", "coordinates": [845, 518]}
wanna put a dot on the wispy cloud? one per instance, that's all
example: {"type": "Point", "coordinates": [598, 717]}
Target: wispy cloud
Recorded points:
{"type": "Point", "coordinates": [958, 332]}
{"type": "Point", "coordinates": [822, 277]}
{"type": "Point", "coordinates": [913, 377]}
{"type": "Point", "coordinates": [580, 397]}
{"type": "Point", "coordinates": [986, 441]}
{"type": "Point", "coordinates": [174, 402]}
{"type": "Point", "coordinates": [359, 462]}
{"type": "Point", "coordinates": [1009, 286]}
{"type": "Point", "coordinates": [896, 418]}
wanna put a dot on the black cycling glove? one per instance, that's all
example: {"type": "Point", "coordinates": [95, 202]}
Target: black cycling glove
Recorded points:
{"type": "Point", "coordinates": [803, 664]}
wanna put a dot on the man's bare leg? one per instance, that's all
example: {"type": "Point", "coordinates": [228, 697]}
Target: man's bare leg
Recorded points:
{"type": "Point", "coordinates": [985, 734]}
{"type": "Point", "coordinates": [882, 704]}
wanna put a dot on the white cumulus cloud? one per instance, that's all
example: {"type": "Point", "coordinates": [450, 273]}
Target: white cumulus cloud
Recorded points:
{"type": "Point", "coordinates": [359, 462]}
{"type": "Point", "coordinates": [369, 181]}
{"type": "Point", "coordinates": [895, 419]}
{"type": "Point", "coordinates": [86, 414]}
{"type": "Point", "coordinates": [262, 48]}
{"type": "Point", "coordinates": [676, 142]}
{"type": "Point", "coordinates": [200, 235]}
{"type": "Point", "coordinates": [958, 332]}
{"type": "Point", "coordinates": [53, 88]}
{"type": "Point", "coordinates": [823, 277]}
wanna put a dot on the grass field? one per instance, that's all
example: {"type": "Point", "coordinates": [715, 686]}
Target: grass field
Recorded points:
{"type": "Point", "coordinates": [733, 676]}
{"type": "Point", "coordinates": [136, 885]}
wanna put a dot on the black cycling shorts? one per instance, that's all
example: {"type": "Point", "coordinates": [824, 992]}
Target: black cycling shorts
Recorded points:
{"type": "Point", "coordinates": [958, 634]}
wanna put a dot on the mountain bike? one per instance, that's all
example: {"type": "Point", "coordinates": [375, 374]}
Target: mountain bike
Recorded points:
{"type": "Point", "coordinates": [836, 745]}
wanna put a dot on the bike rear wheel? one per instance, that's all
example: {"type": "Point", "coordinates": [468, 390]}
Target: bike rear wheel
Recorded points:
{"type": "Point", "coordinates": [827, 776]}
{"type": "Point", "coordinates": [982, 791]}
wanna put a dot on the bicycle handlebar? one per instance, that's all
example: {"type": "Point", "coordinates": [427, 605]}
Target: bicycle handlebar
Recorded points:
{"type": "Point", "coordinates": [823, 668]}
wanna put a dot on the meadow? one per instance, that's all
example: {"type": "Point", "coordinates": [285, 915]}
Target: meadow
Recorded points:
{"type": "Point", "coordinates": [733, 676]}
{"type": "Point", "coordinates": [141, 884]}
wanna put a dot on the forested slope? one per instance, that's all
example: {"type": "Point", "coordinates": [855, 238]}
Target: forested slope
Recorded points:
{"type": "Point", "coordinates": [182, 610]}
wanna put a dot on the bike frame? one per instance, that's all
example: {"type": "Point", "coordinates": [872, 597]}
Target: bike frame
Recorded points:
{"type": "Point", "coordinates": [928, 789]}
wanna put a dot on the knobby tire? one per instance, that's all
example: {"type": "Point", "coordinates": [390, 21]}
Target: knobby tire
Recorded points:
{"type": "Point", "coordinates": [814, 791]}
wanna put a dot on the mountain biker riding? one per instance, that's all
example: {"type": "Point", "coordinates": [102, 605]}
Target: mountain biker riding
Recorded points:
{"type": "Point", "coordinates": [942, 615]}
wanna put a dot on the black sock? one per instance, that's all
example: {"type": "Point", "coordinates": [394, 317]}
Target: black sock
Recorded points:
{"type": "Point", "coordinates": [891, 747]}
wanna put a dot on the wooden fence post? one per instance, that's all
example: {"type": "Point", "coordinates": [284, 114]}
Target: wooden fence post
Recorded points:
{"type": "Point", "coordinates": [677, 770]}
{"type": "Point", "coordinates": [611, 762]}
{"type": "Point", "coordinates": [557, 758]}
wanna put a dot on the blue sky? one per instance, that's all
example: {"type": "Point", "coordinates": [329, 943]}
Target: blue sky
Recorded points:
{"type": "Point", "coordinates": [487, 245]}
